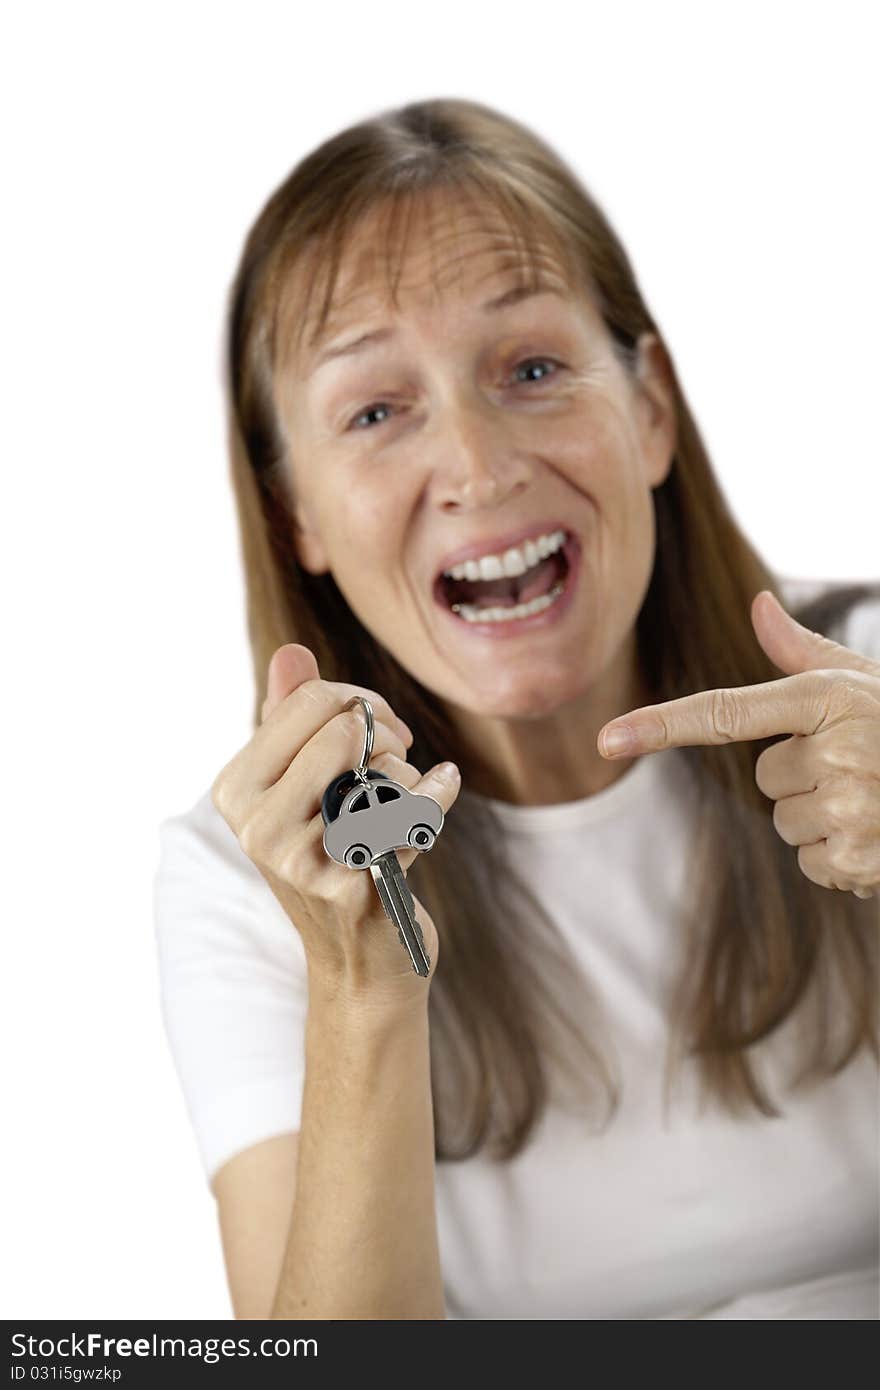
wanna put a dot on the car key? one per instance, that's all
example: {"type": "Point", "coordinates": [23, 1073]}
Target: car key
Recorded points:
{"type": "Point", "coordinates": [367, 817]}
{"type": "Point", "coordinates": [398, 903]}
{"type": "Point", "coordinates": [392, 817]}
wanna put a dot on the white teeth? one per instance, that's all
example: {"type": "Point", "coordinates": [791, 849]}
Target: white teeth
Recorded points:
{"type": "Point", "coordinates": [490, 567]}
{"type": "Point", "coordinates": [514, 561]}
{"type": "Point", "coordinates": [472, 614]}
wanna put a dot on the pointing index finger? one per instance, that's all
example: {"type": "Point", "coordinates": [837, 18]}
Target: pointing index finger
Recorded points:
{"type": "Point", "coordinates": [792, 705]}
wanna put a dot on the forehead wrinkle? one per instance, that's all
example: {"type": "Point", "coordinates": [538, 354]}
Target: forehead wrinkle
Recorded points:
{"type": "Point", "coordinates": [454, 228]}
{"type": "Point", "coordinates": [457, 241]}
{"type": "Point", "coordinates": [441, 275]}
{"type": "Point", "coordinates": [459, 232]}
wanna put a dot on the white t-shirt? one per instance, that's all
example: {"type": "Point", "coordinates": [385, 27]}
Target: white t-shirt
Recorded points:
{"type": "Point", "coordinates": [667, 1213]}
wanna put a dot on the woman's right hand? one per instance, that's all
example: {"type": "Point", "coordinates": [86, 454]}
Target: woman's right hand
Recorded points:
{"type": "Point", "coordinates": [270, 795]}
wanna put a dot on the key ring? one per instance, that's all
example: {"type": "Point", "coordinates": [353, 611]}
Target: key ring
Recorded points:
{"type": "Point", "coordinates": [361, 770]}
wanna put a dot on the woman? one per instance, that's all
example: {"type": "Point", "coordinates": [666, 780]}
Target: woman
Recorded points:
{"type": "Point", "coordinates": [640, 1081]}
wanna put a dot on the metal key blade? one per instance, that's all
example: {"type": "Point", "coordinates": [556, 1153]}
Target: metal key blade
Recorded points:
{"type": "Point", "coordinates": [398, 903]}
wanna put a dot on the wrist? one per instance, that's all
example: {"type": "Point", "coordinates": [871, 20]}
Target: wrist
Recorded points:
{"type": "Point", "coordinates": [368, 1005]}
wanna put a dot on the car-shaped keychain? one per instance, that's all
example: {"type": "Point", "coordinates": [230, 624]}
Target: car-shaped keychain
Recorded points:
{"type": "Point", "coordinates": [367, 819]}
{"type": "Point", "coordinates": [364, 822]}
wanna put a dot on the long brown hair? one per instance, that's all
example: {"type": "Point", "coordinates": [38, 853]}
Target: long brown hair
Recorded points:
{"type": "Point", "coordinates": [761, 938]}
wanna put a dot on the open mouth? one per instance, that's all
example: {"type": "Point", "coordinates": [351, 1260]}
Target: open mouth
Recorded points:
{"type": "Point", "coordinates": [507, 598]}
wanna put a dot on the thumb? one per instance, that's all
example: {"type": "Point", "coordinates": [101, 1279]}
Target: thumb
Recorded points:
{"type": "Point", "coordinates": [289, 666]}
{"type": "Point", "coordinates": [442, 783]}
{"type": "Point", "coordinates": [795, 648]}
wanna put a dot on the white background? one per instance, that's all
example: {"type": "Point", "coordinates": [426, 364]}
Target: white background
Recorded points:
{"type": "Point", "coordinates": [733, 147]}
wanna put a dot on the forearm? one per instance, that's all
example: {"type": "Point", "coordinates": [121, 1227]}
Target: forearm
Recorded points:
{"type": "Point", "coordinates": [363, 1234]}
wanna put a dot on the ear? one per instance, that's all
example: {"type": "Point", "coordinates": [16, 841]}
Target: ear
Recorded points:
{"type": "Point", "coordinates": [310, 550]}
{"type": "Point", "coordinates": [657, 423]}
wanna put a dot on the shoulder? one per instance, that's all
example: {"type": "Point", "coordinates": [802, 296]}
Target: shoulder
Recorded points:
{"type": "Point", "coordinates": [233, 986]}
{"type": "Point", "coordinates": [210, 897]}
{"type": "Point", "coordinates": [198, 842]}
{"type": "Point", "coordinates": [846, 611]}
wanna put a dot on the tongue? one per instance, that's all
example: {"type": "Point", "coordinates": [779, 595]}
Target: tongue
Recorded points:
{"type": "Point", "coordinates": [541, 579]}
{"type": "Point", "coordinates": [504, 593]}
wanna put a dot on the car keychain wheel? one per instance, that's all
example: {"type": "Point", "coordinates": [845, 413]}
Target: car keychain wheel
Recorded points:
{"type": "Point", "coordinates": [421, 837]}
{"type": "Point", "coordinates": [357, 857]}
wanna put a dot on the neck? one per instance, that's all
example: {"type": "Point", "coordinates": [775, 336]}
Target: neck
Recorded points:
{"type": "Point", "coordinates": [552, 757]}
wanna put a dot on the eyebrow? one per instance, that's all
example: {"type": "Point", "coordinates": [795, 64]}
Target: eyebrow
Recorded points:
{"type": "Point", "coordinates": [381, 335]}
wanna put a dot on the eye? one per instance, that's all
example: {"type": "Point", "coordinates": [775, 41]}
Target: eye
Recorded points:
{"type": "Point", "coordinates": [368, 410]}
{"type": "Point", "coordinates": [529, 362]}
{"type": "Point", "coordinates": [383, 408]}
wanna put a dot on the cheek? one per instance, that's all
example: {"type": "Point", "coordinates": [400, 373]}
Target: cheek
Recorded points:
{"type": "Point", "coordinates": [594, 444]}
{"type": "Point", "coordinates": [364, 522]}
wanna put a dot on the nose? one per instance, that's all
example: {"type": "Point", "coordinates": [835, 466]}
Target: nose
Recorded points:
{"type": "Point", "coordinates": [478, 463]}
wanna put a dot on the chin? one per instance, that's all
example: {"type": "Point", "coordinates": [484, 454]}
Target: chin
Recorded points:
{"type": "Point", "coordinates": [536, 697]}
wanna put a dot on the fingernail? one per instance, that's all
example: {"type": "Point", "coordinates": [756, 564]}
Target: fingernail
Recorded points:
{"type": "Point", "coordinates": [449, 771]}
{"type": "Point", "coordinates": [620, 739]}
{"type": "Point", "coordinates": [405, 729]}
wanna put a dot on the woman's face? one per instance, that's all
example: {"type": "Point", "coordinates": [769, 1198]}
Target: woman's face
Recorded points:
{"type": "Point", "coordinates": [468, 428]}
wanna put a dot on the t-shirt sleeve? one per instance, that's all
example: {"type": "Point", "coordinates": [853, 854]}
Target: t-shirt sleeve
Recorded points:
{"type": "Point", "coordinates": [233, 986]}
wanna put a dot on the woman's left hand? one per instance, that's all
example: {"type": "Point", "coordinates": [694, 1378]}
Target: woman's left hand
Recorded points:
{"type": "Point", "coordinates": [825, 779]}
